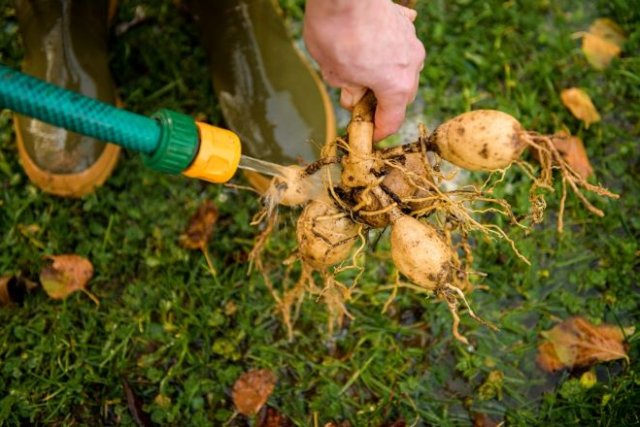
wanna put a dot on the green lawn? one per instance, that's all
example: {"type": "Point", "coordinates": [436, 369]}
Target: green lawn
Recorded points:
{"type": "Point", "coordinates": [181, 337]}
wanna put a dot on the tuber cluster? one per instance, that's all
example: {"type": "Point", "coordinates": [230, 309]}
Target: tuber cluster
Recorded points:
{"type": "Point", "coordinates": [355, 188]}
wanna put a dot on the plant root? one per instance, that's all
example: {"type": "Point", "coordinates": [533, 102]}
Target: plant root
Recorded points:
{"type": "Point", "coordinates": [356, 181]}
{"type": "Point", "coordinates": [550, 158]}
{"type": "Point", "coordinates": [452, 296]}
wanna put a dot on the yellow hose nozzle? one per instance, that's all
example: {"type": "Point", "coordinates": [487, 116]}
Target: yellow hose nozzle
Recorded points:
{"type": "Point", "coordinates": [218, 155]}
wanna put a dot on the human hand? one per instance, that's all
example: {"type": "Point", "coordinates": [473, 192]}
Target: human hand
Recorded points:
{"type": "Point", "coordinates": [362, 45]}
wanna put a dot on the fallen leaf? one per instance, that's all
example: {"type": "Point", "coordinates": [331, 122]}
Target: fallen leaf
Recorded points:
{"type": "Point", "coordinates": [608, 30]}
{"type": "Point", "coordinates": [578, 343]}
{"type": "Point", "coordinates": [572, 150]}
{"type": "Point", "coordinates": [270, 417]}
{"type": "Point", "coordinates": [580, 105]}
{"type": "Point", "coordinates": [200, 227]}
{"type": "Point", "coordinates": [547, 358]}
{"type": "Point", "coordinates": [252, 389]}
{"type": "Point", "coordinates": [5, 296]}
{"type": "Point", "coordinates": [65, 275]}
{"type": "Point", "coordinates": [483, 420]}
{"type": "Point", "coordinates": [13, 289]}
{"type": "Point", "coordinates": [602, 43]}
{"type": "Point", "coordinates": [598, 51]}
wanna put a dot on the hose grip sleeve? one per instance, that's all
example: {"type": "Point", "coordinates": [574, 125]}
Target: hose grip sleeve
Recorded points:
{"type": "Point", "coordinates": [178, 143]}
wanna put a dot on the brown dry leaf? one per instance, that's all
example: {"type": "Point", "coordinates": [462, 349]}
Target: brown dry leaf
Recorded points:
{"type": "Point", "coordinates": [547, 358]}
{"type": "Point", "coordinates": [252, 389]}
{"type": "Point", "coordinates": [13, 289]}
{"type": "Point", "coordinates": [580, 105]}
{"type": "Point", "coordinates": [5, 296]}
{"type": "Point", "coordinates": [572, 150]}
{"type": "Point", "coordinates": [578, 343]}
{"type": "Point", "coordinates": [200, 227]}
{"type": "Point", "coordinates": [271, 417]}
{"type": "Point", "coordinates": [602, 43]}
{"type": "Point", "coordinates": [483, 420]}
{"type": "Point", "coordinates": [67, 274]}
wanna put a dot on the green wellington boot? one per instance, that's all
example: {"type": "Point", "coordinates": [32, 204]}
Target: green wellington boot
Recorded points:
{"type": "Point", "coordinates": [268, 92]}
{"type": "Point", "coordinates": [65, 43]}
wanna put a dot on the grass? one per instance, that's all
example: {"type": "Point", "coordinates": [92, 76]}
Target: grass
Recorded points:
{"type": "Point", "coordinates": [181, 337]}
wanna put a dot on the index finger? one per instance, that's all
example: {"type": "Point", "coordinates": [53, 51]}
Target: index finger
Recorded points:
{"type": "Point", "coordinates": [390, 113]}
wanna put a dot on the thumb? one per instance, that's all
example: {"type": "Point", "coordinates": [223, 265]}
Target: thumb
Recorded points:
{"type": "Point", "coordinates": [350, 95]}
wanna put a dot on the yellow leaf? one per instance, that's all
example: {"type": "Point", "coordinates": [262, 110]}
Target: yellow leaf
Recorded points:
{"type": "Point", "coordinates": [67, 274]}
{"type": "Point", "coordinates": [602, 43]}
{"type": "Point", "coordinates": [599, 52]}
{"type": "Point", "coordinates": [608, 30]}
{"type": "Point", "coordinates": [580, 105]}
{"type": "Point", "coordinates": [578, 343]}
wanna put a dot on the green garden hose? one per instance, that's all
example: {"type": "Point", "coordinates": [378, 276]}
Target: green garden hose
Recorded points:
{"type": "Point", "coordinates": [36, 98]}
{"type": "Point", "coordinates": [170, 142]}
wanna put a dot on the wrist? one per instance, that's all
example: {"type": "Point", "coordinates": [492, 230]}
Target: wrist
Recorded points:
{"type": "Point", "coordinates": [337, 8]}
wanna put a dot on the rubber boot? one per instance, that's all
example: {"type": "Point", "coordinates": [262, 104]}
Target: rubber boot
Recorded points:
{"type": "Point", "coordinates": [268, 92]}
{"type": "Point", "coordinates": [65, 43]}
